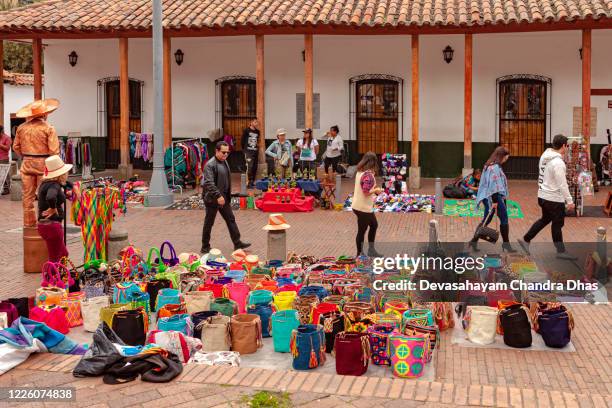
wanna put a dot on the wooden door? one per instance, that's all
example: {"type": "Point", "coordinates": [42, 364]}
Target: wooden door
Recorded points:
{"type": "Point", "coordinates": [238, 108]}
{"type": "Point", "coordinates": [113, 123]}
{"type": "Point", "coordinates": [377, 115]}
{"type": "Point", "coordinates": [522, 124]}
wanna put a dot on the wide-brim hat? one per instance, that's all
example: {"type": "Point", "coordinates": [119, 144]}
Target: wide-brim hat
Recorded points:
{"type": "Point", "coordinates": [55, 167]}
{"type": "Point", "coordinates": [276, 222]}
{"type": "Point", "coordinates": [281, 131]}
{"type": "Point", "coordinates": [38, 108]}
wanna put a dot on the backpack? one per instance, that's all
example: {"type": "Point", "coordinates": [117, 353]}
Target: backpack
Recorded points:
{"type": "Point", "coordinates": [453, 191]}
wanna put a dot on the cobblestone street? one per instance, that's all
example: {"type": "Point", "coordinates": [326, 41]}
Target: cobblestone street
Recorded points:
{"type": "Point", "coordinates": [464, 376]}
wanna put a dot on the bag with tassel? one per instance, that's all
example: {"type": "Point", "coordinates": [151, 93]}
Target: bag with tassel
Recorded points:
{"type": "Point", "coordinates": [308, 347]}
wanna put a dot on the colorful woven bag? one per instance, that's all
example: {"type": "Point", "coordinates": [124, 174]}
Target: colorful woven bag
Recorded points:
{"type": "Point", "coordinates": [140, 299]}
{"type": "Point", "coordinates": [432, 332]}
{"type": "Point", "coordinates": [179, 322]}
{"type": "Point", "coordinates": [379, 336]}
{"type": "Point", "coordinates": [215, 288]}
{"type": "Point", "coordinates": [320, 291]}
{"type": "Point", "coordinates": [352, 353]}
{"type": "Point", "coordinates": [423, 317]}
{"type": "Point", "coordinates": [72, 305]}
{"type": "Point", "coordinates": [323, 308]}
{"type": "Point", "coordinates": [260, 297]}
{"type": "Point", "coordinates": [283, 324]}
{"type": "Point", "coordinates": [238, 292]}
{"type": "Point", "coordinates": [407, 355]}
{"type": "Point", "coordinates": [172, 310]}
{"type": "Point", "coordinates": [308, 347]}
{"type": "Point", "coordinates": [226, 307]}
{"type": "Point", "coordinates": [122, 291]}
{"type": "Point", "coordinates": [284, 300]}
{"type": "Point", "coordinates": [397, 307]}
{"type": "Point", "coordinates": [305, 304]}
{"type": "Point", "coordinates": [333, 323]}
{"type": "Point", "coordinates": [168, 296]}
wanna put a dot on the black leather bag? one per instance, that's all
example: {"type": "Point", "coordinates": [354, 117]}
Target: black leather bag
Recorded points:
{"type": "Point", "coordinates": [487, 233]}
{"type": "Point", "coordinates": [517, 328]}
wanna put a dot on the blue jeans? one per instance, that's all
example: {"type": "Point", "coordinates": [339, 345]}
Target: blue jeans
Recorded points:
{"type": "Point", "coordinates": [502, 210]}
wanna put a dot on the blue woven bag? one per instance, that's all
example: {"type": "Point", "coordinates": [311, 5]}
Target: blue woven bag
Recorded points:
{"type": "Point", "coordinates": [235, 275]}
{"type": "Point", "coordinates": [180, 323]}
{"type": "Point", "coordinates": [260, 297]}
{"type": "Point", "coordinates": [167, 296]}
{"type": "Point", "coordinates": [123, 291]}
{"type": "Point", "coordinates": [283, 324]}
{"type": "Point", "coordinates": [308, 347]}
{"type": "Point", "coordinates": [319, 291]}
{"type": "Point", "coordinates": [265, 313]}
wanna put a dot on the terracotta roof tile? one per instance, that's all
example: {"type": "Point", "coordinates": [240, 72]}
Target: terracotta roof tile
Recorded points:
{"type": "Point", "coordinates": [17, 78]}
{"type": "Point", "coordinates": [94, 15]}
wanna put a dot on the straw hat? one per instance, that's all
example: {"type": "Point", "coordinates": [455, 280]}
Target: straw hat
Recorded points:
{"type": "Point", "coordinates": [55, 167]}
{"type": "Point", "coordinates": [38, 108]}
{"type": "Point", "coordinates": [276, 222]}
{"type": "Point", "coordinates": [281, 131]}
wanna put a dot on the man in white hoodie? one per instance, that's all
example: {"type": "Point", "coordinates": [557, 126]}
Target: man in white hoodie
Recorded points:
{"type": "Point", "coordinates": [553, 197]}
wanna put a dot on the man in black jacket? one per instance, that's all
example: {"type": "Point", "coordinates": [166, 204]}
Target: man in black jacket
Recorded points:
{"type": "Point", "coordinates": [217, 188]}
{"type": "Point", "coordinates": [250, 140]}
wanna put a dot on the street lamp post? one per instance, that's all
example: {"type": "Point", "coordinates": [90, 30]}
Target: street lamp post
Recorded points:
{"type": "Point", "coordinates": [159, 195]}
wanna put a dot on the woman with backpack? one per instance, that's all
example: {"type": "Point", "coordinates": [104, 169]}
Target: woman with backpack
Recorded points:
{"type": "Point", "coordinates": [363, 203]}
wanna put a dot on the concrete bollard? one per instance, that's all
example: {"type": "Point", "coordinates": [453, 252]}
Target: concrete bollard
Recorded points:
{"type": "Point", "coordinates": [277, 245]}
{"type": "Point", "coordinates": [602, 251]}
{"type": "Point", "coordinates": [117, 240]}
{"type": "Point", "coordinates": [439, 197]}
{"type": "Point", "coordinates": [16, 189]}
{"type": "Point", "coordinates": [338, 188]}
{"type": "Point", "coordinates": [243, 184]}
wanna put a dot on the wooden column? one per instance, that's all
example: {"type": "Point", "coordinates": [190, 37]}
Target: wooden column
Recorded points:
{"type": "Point", "coordinates": [167, 92]}
{"type": "Point", "coordinates": [414, 159]}
{"type": "Point", "coordinates": [37, 67]}
{"type": "Point", "coordinates": [467, 105]}
{"type": "Point", "coordinates": [259, 90]}
{"type": "Point", "coordinates": [308, 81]}
{"type": "Point", "coordinates": [414, 176]}
{"type": "Point", "coordinates": [124, 102]}
{"type": "Point", "coordinates": [586, 89]}
{"type": "Point", "coordinates": [2, 85]}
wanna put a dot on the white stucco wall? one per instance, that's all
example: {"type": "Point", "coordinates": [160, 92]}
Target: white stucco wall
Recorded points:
{"type": "Point", "coordinates": [15, 97]}
{"type": "Point", "coordinates": [336, 58]}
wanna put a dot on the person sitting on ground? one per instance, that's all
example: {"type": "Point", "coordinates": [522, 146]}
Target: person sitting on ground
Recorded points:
{"type": "Point", "coordinates": [470, 183]}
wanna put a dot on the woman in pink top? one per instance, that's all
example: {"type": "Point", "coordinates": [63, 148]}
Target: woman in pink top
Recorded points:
{"type": "Point", "coordinates": [363, 203]}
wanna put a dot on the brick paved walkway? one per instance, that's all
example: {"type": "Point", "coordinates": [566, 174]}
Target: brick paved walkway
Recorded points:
{"type": "Point", "coordinates": [465, 376]}
{"type": "Point", "coordinates": [201, 386]}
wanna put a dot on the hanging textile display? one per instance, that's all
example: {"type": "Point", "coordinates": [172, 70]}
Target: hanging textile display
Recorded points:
{"type": "Point", "coordinates": [141, 146]}
{"type": "Point", "coordinates": [92, 210]}
{"type": "Point", "coordinates": [184, 162]}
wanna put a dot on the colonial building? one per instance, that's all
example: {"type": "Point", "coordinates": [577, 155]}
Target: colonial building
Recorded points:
{"type": "Point", "coordinates": [444, 81]}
